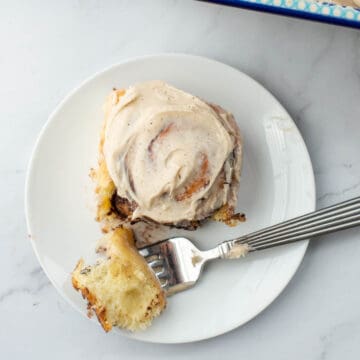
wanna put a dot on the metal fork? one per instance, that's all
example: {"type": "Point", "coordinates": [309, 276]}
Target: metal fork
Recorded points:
{"type": "Point", "coordinates": [177, 263]}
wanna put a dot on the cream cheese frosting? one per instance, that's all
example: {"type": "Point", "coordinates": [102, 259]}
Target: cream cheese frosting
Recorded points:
{"type": "Point", "coordinates": [177, 157]}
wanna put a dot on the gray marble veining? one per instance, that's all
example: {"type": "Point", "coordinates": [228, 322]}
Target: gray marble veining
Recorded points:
{"type": "Point", "coordinates": [313, 69]}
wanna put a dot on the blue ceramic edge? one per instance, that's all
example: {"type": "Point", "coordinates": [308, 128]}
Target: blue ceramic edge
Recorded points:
{"type": "Point", "coordinates": [310, 10]}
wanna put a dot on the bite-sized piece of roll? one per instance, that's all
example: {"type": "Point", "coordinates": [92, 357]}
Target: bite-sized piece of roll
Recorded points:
{"type": "Point", "coordinates": [121, 290]}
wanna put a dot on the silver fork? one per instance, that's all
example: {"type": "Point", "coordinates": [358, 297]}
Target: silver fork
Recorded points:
{"type": "Point", "coordinates": [177, 263]}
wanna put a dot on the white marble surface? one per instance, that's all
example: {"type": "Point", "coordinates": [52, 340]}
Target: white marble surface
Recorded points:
{"type": "Point", "coordinates": [47, 48]}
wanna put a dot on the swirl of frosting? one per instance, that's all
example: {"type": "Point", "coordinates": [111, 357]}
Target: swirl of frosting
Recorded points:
{"type": "Point", "coordinates": [171, 154]}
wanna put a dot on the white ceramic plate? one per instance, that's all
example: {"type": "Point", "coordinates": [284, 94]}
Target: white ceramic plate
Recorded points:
{"type": "Point", "coordinates": [277, 183]}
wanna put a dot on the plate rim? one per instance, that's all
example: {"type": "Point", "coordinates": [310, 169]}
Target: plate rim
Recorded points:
{"type": "Point", "coordinates": [35, 153]}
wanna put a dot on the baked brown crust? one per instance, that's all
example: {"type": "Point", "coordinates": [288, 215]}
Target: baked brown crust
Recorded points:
{"type": "Point", "coordinates": [227, 215]}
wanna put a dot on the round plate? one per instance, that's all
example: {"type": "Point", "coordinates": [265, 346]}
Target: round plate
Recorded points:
{"type": "Point", "coordinates": [277, 183]}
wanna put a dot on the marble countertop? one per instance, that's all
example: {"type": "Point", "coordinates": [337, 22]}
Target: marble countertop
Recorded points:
{"type": "Point", "coordinates": [313, 69]}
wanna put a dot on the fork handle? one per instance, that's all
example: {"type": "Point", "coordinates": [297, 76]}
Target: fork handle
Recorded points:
{"type": "Point", "coordinates": [330, 219]}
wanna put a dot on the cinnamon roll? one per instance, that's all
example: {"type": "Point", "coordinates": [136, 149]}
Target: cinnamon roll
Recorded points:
{"type": "Point", "coordinates": [167, 157]}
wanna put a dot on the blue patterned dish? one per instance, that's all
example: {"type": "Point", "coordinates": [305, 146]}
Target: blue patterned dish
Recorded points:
{"type": "Point", "coordinates": [331, 13]}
